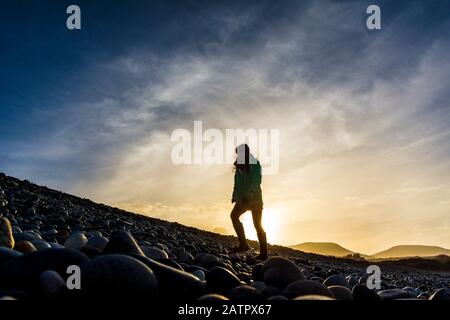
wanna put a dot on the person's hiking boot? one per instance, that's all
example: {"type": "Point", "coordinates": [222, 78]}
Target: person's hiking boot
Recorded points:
{"type": "Point", "coordinates": [252, 260]}
{"type": "Point", "coordinates": [261, 257]}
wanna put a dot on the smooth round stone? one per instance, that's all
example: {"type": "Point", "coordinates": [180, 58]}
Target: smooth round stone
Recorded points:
{"type": "Point", "coordinates": [62, 236]}
{"type": "Point", "coordinates": [173, 283]}
{"type": "Point", "coordinates": [40, 244]}
{"type": "Point", "coordinates": [76, 241]}
{"type": "Point", "coordinates": [280, 272]}
{"type": "Point", "coordinates": [277, 298]}
{"type": "Point", "coordinates": [25, 246]}
{"type": "Point", "coordinates": [172, 263]}
{"type": "Point", "coordinates": [422, 288]}
{"type": "Point", "coordinates": [412, 290]}
{"type": "Point", "coordinates": [440, 294]}
{"type": "Point", "coordinates": [185, 257]}
{"type": "Point", "coordinates": [30, 212]}
{"type": "Point", "coordinates": [91, 252]}
{"type": "Point", "coordinates": [23, 272]}
{"type": "Point", "coordinates": [313, 297]}
{"type": "Point", "coordinates": [316, 268]}
{"type": "Point", "coordinates": [258, 285]}
{"type": "Point", "coordinates": [144, 243]}
{"type": "Point", "coordinates": [154, 253]}
{"type": "Point", "coordinates": [6, 234]}
{"type": "Point", "coordinates": [331, 272]}
{"type": "Point", "coordinates": [223, 264]}
{"type": "Point", "coordinates": [93, 234]}
{"type": "Point", "coordinates": [318, 279]}
{"type": "Point", "coordinates": [36, 233]}
{"type": "Point", "coordinates": [257, 272]}
{"type": "Point", "coordinates": [28, 236]}
{"type": "Point", "coordinates": [116, 274]}
{"type": "Point", "coordinates": [190, 248]}
{"type": "Point", "coordinates": [51, 232]}
{"type": "Point", "coordinates": [206, 259]}
{"type": "Point", "coordinates": [193, 267]}
{"type": "Point", "coordinates": [234, 257]}
{"type": "Point", "coordinates": [394, 294]}
{"type": "Point", "coordinates": [55, 245]}
{"type": "Point", "coordinates": [221, 280]}
{"type": "Point", "coordinates": [199, 274]}
{"type": "Point", "coordinates": [270, 291]}
{"type": "Point", "coordinates": [97, 241]}
{"type": "Point", "coordinates": [362, 293]}
{"type": "Point", "coordinates": [423, 296]}
{"type": "Point", "coordinates": [341, 292]}
{"type": "Point", "coordinates": [306, 287]}
{"type": "Point", "coordinates": [179, 250]}
{"type": "Point", "coordinates": [244, 293]}
{"type": "Point", "coordinates": [162, 247]}
{"type": "Point", "coordinates": [336, 280]}
{"type": "Point", "coordinates": [122, 242]}
{"type": "Point", "coordinates": [352, 281]}
{"type": "Point", "coordinates": [212, 297]}
{"type": "Point", "coordinates": [244, 277]}
{"type": "Point", "coordinates": [52, 284]}
{"type": "Point", "coordinates": [16, 229]}
{"type": "Point", "coordinates": [7, 254]}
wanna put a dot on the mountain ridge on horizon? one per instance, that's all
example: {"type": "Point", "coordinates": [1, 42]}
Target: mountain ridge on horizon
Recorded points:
{"type": "Point", "coordinates": [397, 251]}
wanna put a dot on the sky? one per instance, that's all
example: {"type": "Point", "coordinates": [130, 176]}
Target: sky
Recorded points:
{"type": "Point", "coordinates": [363, 115]}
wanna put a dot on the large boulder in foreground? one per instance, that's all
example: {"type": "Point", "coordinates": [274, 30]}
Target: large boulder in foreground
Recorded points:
{"type": "Point", "coordinates": [280, 272]}
{"type": "Point", "coordinates": [117, 275]}
{"type": "Point", "coordinates": [122, 242]}
{"type": "Point", "coordinates": [441, 294]}
{"type": "Point", "coordinates": [22, 273]}
{"type": "Point", "coordinates": [306, 287]}
{"type": "Point", "coordinates": [173, 283]}
{"type": "Point", "coordinates": [395, 294]}
{"type": "Point", "coordinates": [221, 280]}
{"type": "Point", "coordinates": [7, 254]}
{"type": "Point", "coordinates": [362, 293]}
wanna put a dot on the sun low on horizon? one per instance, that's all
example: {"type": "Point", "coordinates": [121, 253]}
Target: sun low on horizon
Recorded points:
{"type": "Point", "coordinates": [270, 222]}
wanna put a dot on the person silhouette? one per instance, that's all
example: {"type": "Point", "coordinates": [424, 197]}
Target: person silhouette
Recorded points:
{"type": "Point", "coordinates": [247, 195]}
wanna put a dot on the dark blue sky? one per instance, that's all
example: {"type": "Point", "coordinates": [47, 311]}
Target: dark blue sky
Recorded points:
{"type": "Point", "coordinates": [47, 70]}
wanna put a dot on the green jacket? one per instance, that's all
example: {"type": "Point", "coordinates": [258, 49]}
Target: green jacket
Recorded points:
{"type": "Point", "coordinates": [247, 185]}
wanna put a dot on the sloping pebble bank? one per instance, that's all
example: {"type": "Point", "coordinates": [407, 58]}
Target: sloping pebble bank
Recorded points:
{"type": "Point", "coordinates": [45, 233]}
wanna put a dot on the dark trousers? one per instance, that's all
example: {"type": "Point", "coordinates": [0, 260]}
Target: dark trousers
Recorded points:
{"type": "Point", "coordinates": [256, 210]}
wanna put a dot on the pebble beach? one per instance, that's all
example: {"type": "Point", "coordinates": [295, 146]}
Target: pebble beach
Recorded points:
{"type": "Point", "coordinates": [44, 232]}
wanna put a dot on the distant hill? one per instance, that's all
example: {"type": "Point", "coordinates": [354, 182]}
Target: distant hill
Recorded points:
{"type": "Point", "coordinates": [323, 248]}
{"type": "Point", "coordinates": [411, 251]}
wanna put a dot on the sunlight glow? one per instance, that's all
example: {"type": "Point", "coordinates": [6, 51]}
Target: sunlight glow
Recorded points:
{"type": "Point", "coordinates": [270, 223]}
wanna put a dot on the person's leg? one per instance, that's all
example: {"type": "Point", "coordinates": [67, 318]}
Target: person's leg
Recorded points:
{"type": "Point", "coordinates": [238, 227]}
{"type": "Point", "coordinates": [262, 238]}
